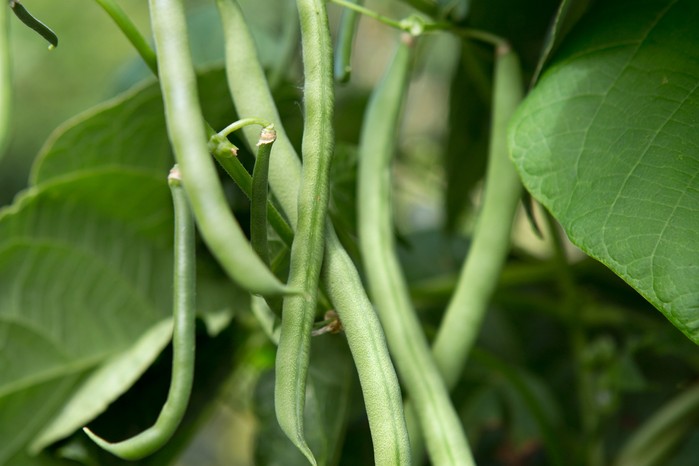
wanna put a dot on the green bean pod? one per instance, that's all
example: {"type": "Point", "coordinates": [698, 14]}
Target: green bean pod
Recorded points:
{"type": "Point", "coordinates": [187, 133]}
{"type": "Point", "coordinates": [382, 394]}
{"type": "Point", "coordinates": [446, 440]}
{"type": "Point", "coordinates": [298, 312]}
{"type": "Point", "coordinates": [345, 41]}
{"type": "Point", "coordinates": [258, 195]}
{"type": "Point", "coordinates": [29, 20]}
{"type": "Point", "coordinates": [491, 238]}
{"type": "Point", "coordinates": [183, 339]}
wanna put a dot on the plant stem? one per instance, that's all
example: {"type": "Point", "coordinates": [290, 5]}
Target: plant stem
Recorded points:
{"type": "Point", "coordinates": [131, 32]}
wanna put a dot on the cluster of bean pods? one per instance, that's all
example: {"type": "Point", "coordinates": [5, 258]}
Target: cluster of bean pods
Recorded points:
{"type": "Point", "coordinates": [317, 259]}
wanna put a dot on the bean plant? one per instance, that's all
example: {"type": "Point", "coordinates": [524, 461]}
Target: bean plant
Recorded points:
{"type": "Point", "coordinates": [386, 232]}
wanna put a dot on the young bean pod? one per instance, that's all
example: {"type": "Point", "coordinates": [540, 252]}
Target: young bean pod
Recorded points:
{"type": "Point", "coordinates": [258, 199]}
{"type": "Point", "coordinates": [187, 133]}
{"type": "Point", "coordinates": [382, 395]}
{"type": "Point", "coordinates": [446, 440]}
{"type": "Point", "coordinates": [345, 41]}
{"type": "Point", "coordinates": [491, 237]}
{"type": "Point", "coordinates": [183, 338]}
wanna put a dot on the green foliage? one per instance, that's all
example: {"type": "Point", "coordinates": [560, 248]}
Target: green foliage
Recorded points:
{"type": "Point", "coordinates": [550, 357]}
{"type": "Point", "coordinates": [607, 141]}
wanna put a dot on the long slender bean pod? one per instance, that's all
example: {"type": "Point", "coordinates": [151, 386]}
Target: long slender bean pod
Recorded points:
{"type": "Point", "coordinates": [446, 440]}
{"type": "Point", "coordinates": [5, 80]}
{"type": "Point", "coordinates": [183, 338]}
{"type": "Point", "coordinates": [491, 237]}
{"type": "Point", "coordinates": [29, 20]}
{"type": "Point", "coordinates": [345, 41]}
{"type": "Point", "coordinates": [187, 133]}
{"type": "Point", "coordinates": [258, 199]}
{"type": "Point", "coordinates": [382, 395]}
{"type": "Point", "coordinates": [298, 312]}
{"type": "Point", "coordinates": [114, 10]}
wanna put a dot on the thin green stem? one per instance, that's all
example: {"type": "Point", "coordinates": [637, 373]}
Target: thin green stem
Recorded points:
{"type": "Point", "coordinates": [112, 8]}
{"type": "Point", "coordinates": [183, 339]}
{"type": "Point", "coordinates": [416, 25]}
{"type": "Point", "coordinates": [224, 153]}
{"type": "Point", "coordinates": [370, 13]}
{"type": "Point", "coordinates": [240, 124]}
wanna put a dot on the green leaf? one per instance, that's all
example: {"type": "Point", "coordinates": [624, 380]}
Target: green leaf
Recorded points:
{"type": "Point", "coordinates": [86, 269]}
{"type": "Point", "coordinates": [127, 131]}
{"type": "Point", "coordinates": [105, 385]}
{"type": "Point", "coordinates": [608, 142]}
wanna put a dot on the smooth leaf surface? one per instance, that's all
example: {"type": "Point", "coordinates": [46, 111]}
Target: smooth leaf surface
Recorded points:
{"type": "Point", "coordinates": [609, 143]}
{"type": "Point", "coordinates": [127, 131]}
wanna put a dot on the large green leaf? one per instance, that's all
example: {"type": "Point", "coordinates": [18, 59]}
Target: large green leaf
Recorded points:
{"type": "Point", "coordinates": [127, 131]}
{"type": "Point", "coordinates": [609, 142]}
{"type": "Point", "coordinates": [86, 270]}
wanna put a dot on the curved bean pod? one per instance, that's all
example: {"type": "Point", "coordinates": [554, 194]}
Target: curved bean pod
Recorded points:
{"type": "Point", "coordinates": [33, 23]}
{"type": "Point", "coordinates": [183, 339]}
{"type": "Point", "coordinates": [446, 440]}
{"type": "Point", "coordinates": [187, 133]}
{"type": "Point", "coordinates": [382, 395]}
